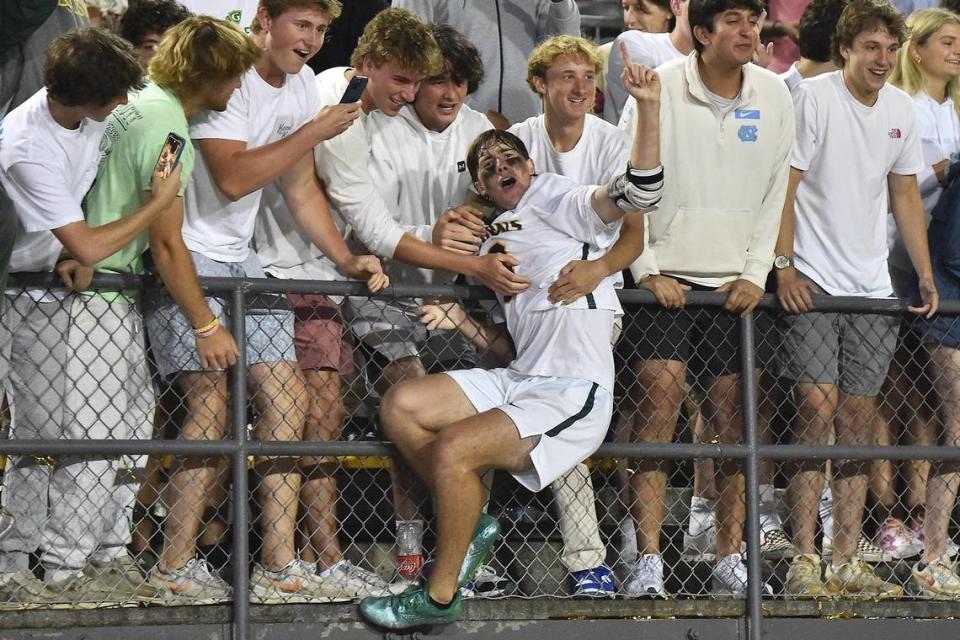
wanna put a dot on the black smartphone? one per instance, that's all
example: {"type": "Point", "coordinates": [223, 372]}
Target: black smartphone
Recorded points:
{"type": "Point", "coordinates": [354, 89]}
{"type": "Point", "coordinates": [169, 154]}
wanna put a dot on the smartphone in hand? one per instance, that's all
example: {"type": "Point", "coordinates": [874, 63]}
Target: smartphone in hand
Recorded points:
{"type": "Point", "coordinates": [169, 155]}
{"type": "Point", "coordinates": [354, 89]}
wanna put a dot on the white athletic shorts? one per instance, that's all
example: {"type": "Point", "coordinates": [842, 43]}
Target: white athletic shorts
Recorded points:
{"type": "Point", "coordinates": [570, 415]}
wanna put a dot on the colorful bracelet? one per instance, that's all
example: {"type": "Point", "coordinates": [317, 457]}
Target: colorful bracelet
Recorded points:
{"type": "Point", "coordinates": [208, 333]}
{"type": "Point", "coordinates": [207, 329]}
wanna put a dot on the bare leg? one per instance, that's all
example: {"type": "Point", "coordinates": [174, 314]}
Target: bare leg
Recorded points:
{"type": "Point", "coordinates": [944, 477]}
{"type": "Point", "coordinates": [318, 494]}
{"type": "Point", "coordinates": [279, 395]}
{"type": "Point", "coordinates": [658, 392]}
{"type": "Point", "coordinates": [703, 468]}
{"type": "Point", "coordinates": [883, 473]}
{"type": "Point", "coordinates": [215, 518]}
{"type": "Point", "coordinates": [918, 412]}
{"type": "Point", "coordinates": [408, 493]}
{"type": "Point", "coordinates": [450, 446]}
{"type": "Point", "coordinates": [205, 397]}
{"type": "Point", "coordinates": [462, 452]}
{"type": "Point", "coordinates": [816, 407]}
{"type": "Point", "coordinates": [723, 406]}
{"type": "Point", "coordinates": [854, 423]}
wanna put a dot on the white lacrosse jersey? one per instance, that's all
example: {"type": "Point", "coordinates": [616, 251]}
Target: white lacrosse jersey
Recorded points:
{"type": "Point", "coordinates": [553, 224]}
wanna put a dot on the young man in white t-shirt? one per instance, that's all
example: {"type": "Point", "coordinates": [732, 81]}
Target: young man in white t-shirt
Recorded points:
{"type": "Point", "coordinates": [264, 135]}
{"type": "Point", "coordinates": [651, 49]}
{"type": "Point", "coordinates": [49, 150]}
{"type": "Point", "coordinates": [857, 141]}
{"type": "Point", "coordinates": [551, 407]}
{"type": "Point", "coordinates": [730, 124]}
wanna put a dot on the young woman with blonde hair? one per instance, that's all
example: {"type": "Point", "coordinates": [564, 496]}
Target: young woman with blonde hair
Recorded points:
{"type": "Point", "coordinates": [928, 69]}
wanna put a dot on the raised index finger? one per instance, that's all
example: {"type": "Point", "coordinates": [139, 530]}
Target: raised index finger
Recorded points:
{"type": "Point", "coordinates": [625, 54]}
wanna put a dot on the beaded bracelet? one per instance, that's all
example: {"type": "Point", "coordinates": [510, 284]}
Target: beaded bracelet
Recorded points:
{"type": "Point", "coordinates": [207, 329]}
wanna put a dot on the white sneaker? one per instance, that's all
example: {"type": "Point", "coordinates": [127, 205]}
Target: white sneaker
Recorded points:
{"type": "Point", "coordinates": [896, 539]}
{"type": "Point", "coordinates": [646, 577]}
{"type": "Point", "coordinates": [730, 578]}
{"type": "Point", "coordinates": [194, 583]}
{"type": "Point", "coordinates": [486, 583]}
{"type": "Point", "coordinates": [296, 583]}
{"type": "Point", "coordinates": [937, 580]}
{"type": "Point", "coordinates": [351, 579]}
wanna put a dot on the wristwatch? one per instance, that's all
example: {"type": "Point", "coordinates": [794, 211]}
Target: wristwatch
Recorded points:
{"type": "Point", "coordinates": [782, 262]}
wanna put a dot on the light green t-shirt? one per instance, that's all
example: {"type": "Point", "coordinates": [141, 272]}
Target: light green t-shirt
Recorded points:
{"type": "Point", "coordinates": [131, 144]}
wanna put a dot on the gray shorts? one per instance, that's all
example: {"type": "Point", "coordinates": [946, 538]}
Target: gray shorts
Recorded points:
{"type": "Point", "coordinates": [394, 331]}
{"type": "Point", "coordinates": [269, 329]}
{"type": "Point", "coordinates": [851, 350]}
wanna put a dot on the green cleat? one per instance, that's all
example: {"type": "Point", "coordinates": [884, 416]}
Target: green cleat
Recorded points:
{"type": "Point", "coordinates": [485, 536]}
{"type": "Point", "coordinates": [412, 608]}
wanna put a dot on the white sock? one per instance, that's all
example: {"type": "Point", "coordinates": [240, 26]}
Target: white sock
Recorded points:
{"type": "Point", "coordinates": [52, 576]}
{"type": "Point", "coordinates": [628, 539]}
{"type": "Point", "coordinates": [826, 512]}
{"type": "Point", "coordinates": [769, 517]}
{"type": "Point", "coordinates": [702, 516]}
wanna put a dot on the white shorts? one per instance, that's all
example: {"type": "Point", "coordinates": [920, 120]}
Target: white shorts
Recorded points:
{"type": "Point", "coordinates": [570, 415]}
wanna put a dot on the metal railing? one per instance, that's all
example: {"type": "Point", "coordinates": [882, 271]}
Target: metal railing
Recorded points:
{"type": "Point", "coordinates": [239, 448]}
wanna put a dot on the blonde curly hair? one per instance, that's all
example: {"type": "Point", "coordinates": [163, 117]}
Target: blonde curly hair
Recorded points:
{"type": "Point", "coordinates": [199, 51]}
{"type": "Point", "coordinates": [397, 35]}
{"type": "Point", "coordinates": [549, 50]}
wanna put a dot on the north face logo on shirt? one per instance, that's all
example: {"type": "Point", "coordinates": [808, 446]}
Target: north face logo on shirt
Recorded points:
{"type": "Point", "coordinates": [894, 133]}
{"type": "Point", "coordinates": [461, 166]}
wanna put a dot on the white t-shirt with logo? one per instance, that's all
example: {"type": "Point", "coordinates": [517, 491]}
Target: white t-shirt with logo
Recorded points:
{"type": "Point", "coordinates": [239, 12]}
{"type": "Point", "coordinates": [650, 49]}
{"type": "Point", "coordinates": [421, 173]}
{"type": "Point", "coordinates": [258, 114]}
{"type": "Point", "coordinates": [847, 150]}
{"type": "Point", "coordinates": [601, 153]}
{"type": "Point", "coordinates": [45, 170]}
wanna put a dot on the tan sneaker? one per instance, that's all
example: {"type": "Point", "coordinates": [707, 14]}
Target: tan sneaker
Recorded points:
{"type": "Point", "coordinates": [803, 578]}
{"type": "Point", "coordinates": [75, 593]}
{"type": "Point", "coordinates": [121, 580]}
{"type": "Point", "coordinates": [22, 590]}
{"type": "Point", "coordinates": [856, 579]}
{"type": "Point", "coordinates": [937, 580]}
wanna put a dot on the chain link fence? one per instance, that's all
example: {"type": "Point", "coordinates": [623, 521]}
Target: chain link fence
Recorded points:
{"type": "Point", "coordinates": [119, 466]}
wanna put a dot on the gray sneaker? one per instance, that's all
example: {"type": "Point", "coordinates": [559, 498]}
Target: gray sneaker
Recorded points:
{"type": "Point", "coordinates": [193, 583]}
{"type": "Point", "coordinates": [120, 579]}
{"type": "Point", "coordinates": [351, 579]}
{"type": "Point", "coordinates": [296, 583]}
{"type": "Point", "coordinates": [22, 590]}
